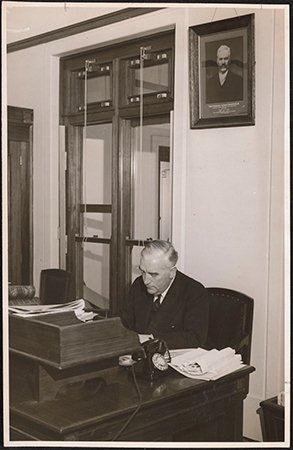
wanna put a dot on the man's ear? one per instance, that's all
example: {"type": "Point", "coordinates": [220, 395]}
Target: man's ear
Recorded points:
{"type": "Point", "coordinates": [173, 272]}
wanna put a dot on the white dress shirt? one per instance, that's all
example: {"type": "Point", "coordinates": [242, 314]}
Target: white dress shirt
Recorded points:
{"type": "Point", "coordinates": [163, 294]}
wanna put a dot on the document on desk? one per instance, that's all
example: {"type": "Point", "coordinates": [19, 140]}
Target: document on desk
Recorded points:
{"type": "Point", "coordinates": [204, 364]}
{"type": "Point", "coordinates": [37, 310]}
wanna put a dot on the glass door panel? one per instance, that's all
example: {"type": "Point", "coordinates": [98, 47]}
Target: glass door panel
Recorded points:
{"type": "Point", "coordinates": [96, 213]}
{"type": "Point", "coordinates": [135, 251]}
{"type": "Point", "coordinates": [94, 83]}
{"type": "Point", "coordinates": [155, 79]}
{"type": "Point", "coordinates": [149, 74]}
{"type": "Point", "coordinates": [97, 151]}
{"type": "Point", "coordinates": [99, 89]}
{"type": "Point", "coordinates": [96, 273]}
{"type": "Point", "coordinates": [151, 184]}
{"type": "Point", "coordinates": [146, 179]}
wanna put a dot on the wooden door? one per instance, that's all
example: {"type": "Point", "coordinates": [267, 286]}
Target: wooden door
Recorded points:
{"type": "Point", "coordinates": [20, 195]}
{"type": "Point", "coordinates": [101, 89]}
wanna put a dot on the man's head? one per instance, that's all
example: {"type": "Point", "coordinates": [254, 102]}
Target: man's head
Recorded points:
{"type": "Point", "coordinates": [157, 265]}
{"type": "Point", "coordinates": [223, 58]}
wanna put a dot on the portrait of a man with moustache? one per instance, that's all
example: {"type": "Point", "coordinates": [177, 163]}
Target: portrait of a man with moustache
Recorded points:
{"type": "Point", "coordinates": [225, 85]}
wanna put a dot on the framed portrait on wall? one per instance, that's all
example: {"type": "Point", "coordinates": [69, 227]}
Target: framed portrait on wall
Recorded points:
{"type": "Point", "coordinates": [221, 69]}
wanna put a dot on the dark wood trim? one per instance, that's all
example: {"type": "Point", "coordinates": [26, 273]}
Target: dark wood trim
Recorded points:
{"type": "Point", "coordinates": [17, 434]}
{"type": "Point", "coordinates": [31, 205]}
{"type": "Point", "coordinates": [93, 239]}
{"type": "Point", "coordinates": [22, 116]}
{"type": "Point", "coordinates": [156, 109]}
{"type": "Point", "coordinates": [93, 118]}
{"type": "Point", "coordinates": [94, 208]}
{"type": "Point", "coordinates": [136, 242]}
{"type": "Point", "coordinates": [74, 142]}
{"type": "Point", "coordinates": [80, 27]}
{"type": "Point", "coordinates": [125, 201]}
{"type": "Point", "coordinates": [114, 277]}
{"type": "Point", "coordinates": [21, 119]}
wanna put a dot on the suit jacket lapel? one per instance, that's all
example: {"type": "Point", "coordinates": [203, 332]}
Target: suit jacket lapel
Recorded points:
{"type": "Point", "coordinates": [147, 307]}
{"type": "Point", "coordinates": [171, 300]}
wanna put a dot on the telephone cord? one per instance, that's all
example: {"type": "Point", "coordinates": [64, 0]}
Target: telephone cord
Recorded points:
{"type": "Point", "coordinates": [135, 411]}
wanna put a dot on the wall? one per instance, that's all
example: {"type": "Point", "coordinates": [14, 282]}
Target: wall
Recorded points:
{"type": "Point", "coordinates": [227, 187]}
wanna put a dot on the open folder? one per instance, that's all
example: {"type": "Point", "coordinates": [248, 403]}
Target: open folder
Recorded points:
{"type": "Point", "coordinates": [205, 364]}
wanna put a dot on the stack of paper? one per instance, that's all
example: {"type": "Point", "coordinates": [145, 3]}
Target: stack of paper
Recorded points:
{"type": "Point", "coordinates": [205, 364]}
{"type": "Point", "coordinates": [77, 306]}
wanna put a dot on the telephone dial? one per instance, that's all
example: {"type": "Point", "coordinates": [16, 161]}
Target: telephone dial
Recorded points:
{"type": "Point", "coordinates": [152, 360]}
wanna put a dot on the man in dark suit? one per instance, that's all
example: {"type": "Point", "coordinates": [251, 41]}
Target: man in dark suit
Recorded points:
{"type": "Point", "coordinates": [225, 86]}
{"type": "Point", "coordinates": [164, 302]}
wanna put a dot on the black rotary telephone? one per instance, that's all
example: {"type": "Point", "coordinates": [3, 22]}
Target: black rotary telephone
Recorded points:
{"type": "Point", "coordinates": [152, 360]}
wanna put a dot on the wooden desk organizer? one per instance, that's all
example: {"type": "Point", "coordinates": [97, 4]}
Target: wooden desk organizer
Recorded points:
{"type": "Point", "coordinates": [54, 350]}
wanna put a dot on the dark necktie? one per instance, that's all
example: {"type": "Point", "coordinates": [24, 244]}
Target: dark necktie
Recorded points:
{"type": "Point", "coordinates": [156, 303]}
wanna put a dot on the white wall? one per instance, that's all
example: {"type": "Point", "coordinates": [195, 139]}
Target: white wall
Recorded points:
{"type": "Point", "coordinates": [227, 189]}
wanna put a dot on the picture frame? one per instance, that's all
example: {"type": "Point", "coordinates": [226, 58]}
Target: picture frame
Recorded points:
{"type": "Point", "coordinates": [222, 73]}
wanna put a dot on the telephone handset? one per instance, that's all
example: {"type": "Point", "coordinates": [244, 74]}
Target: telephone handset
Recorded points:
{"type": "Point", "coordinates": [152, 360]}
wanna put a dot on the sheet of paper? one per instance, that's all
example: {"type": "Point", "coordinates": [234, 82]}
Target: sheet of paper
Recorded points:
{"type": "Point", "coordinates": [145, 337]}
{"type": "Point", "coordinates": [205, 364]}
{"type": "Point", "coordinates": [84, 316]}
{"type": "Point", "coordinates": [36, 310]}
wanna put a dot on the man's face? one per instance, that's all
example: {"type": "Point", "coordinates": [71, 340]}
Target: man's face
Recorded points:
{"type": "Point", "coordinates": [157, 271]}
{"type": "Point", "coordinates": [223, 59]}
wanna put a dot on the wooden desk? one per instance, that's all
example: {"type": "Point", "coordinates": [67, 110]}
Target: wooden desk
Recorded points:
{"type": "Point", "coordinates": [174, 408]}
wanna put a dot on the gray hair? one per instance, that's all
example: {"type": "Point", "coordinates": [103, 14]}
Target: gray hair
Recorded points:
{"type": "Point", "coordinates": [224, 47]}
{"type": "Point", "coordinates": [164, 247]}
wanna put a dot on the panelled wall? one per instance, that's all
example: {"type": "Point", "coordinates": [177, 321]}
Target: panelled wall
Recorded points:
{"type": "Point", "coordinates": [228, 183]}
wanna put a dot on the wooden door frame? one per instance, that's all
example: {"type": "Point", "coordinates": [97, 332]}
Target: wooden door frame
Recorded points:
{"type": "Point", "coordinates": [124, 209]}
{"type": "Point", "coordinates": [120, 114]}
{"type": "Point", "coordinates": [22, 118]}
{"type": "Point", "coordinates": [121, 203]}
{"type": "Point", "coordinates": [74, 258]}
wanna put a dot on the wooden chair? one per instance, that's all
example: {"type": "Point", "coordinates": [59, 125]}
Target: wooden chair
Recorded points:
{"type": "Point", "coordinates": [230, 321]}
{"type": "Point", "coordinates": [55, 285]}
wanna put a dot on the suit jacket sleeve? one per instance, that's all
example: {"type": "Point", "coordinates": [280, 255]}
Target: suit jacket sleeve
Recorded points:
{"type": "Point", "coordinates": [128, 309]}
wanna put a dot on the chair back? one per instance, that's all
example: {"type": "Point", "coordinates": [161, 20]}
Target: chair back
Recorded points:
{"type": "Point", "coordinates": [22, 295]}
{"type": "Point", "coordinates": [55, 286]}
{"type": "Point", "coordinates": [230, 321]}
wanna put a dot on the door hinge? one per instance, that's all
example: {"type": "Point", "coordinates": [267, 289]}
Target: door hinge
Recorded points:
{"type": "Point", "coordinates": [20, 160]}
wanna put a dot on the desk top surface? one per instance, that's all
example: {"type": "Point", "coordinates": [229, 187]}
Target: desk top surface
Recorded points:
{"type": "Point", "coordinates": [113, 394]}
